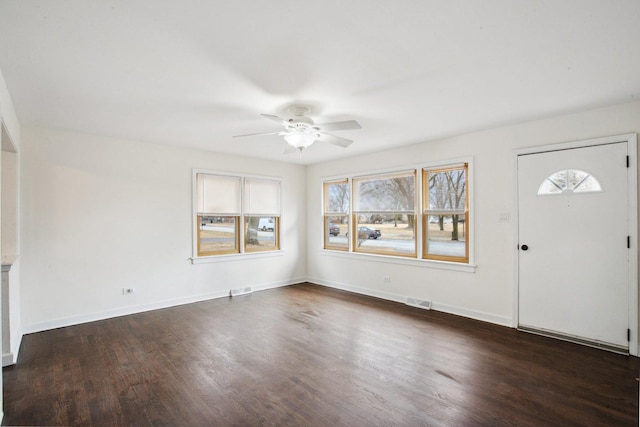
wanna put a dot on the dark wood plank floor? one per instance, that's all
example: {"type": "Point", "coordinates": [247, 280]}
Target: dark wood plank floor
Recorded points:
{"type": "Point", "coordinates": [308, 355]}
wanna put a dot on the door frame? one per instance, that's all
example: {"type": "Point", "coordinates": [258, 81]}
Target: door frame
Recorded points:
{"type": "Point", "coordinates": [632, 187]}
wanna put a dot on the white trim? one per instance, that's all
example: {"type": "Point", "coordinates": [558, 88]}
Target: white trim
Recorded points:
{"type": "Point", "coordinates": [12, 146]}
{"type": "Point", "coordinates": [632, 152]}
{"type": "Point", "coordinates": [458, 311]}
{"type": "Point", "coordinates": [236, 174]}
{"type": "Point", "coordinates": [629, 137]}
{"type": "Point", "coordinates": [16, 347]}
{"type": "Point", "coordinates": [235, 257]}
{"type": "Point", "coordinates": [473, 314]}
{"type": "Point", "coordinates": [124, 311]}
{"type": "Point", "coordinates": [456, 161]}
{"type": "Point", "coordinates": [8, 359]}
{"type": "Point", "coordinates": [515, 247]}
{"type": "Point", "coordinates": [395, 259]}
{"type": "Point", "coordinates": [632, 179]}
{"type": "Point", "coordinates": [357, 290]}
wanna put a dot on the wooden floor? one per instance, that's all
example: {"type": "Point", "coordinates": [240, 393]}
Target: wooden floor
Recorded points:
{"type": "Point", "coordinates": [306, 355]}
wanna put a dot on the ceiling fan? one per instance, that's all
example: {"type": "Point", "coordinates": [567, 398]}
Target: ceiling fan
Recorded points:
{"type": "Point", "coordinates": [300, 131]}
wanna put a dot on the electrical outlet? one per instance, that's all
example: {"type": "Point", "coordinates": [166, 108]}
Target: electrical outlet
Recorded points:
{"type": "Point", "coordinates": [503, 217]}
{"type": "Point", "coordinates": [387, 279]}
{"type": "Point", "coordinates": [127, 291]}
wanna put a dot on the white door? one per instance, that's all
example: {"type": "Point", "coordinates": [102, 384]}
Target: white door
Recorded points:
{"type": "Point", "coordinates": [573, 236]}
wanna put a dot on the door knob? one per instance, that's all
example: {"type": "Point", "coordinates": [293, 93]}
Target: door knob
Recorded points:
{"type": "Point", "coordinates": [524, 247]}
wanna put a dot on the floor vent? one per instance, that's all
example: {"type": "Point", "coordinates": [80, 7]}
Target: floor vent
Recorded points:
{"type": "Point", "coordinates": [240, 291]}
{"type": "Point", "coordinates": [419, 303]}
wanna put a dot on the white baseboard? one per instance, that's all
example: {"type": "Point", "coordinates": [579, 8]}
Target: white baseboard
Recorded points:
{"type": "Point", "coordinates": [76, 320]}
{"type": "Point", "coordinates": [363, 291]}
{"type": "Point", "coordinates": [124, 311]}
{"type": "Point", "coordinates": [472, 314]}
{"type": "Point", "coordinates": [11, 357]}
{"type": "Point", "coordinates": [8, 359]}
{"type": "Point", "coordinates": [15, 346]}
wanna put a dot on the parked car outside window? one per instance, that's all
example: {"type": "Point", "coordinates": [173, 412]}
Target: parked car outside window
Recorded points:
{"type": "Point", "coordinates": [367, 233]}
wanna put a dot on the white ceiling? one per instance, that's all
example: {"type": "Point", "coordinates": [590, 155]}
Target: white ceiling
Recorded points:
{"type": "Point", "coordinates": [195, 73]}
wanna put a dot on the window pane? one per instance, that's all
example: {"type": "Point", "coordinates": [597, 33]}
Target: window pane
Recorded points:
{"type": "Point", "coordinates": [387, 234]}
{"type": "Point", "coordinates": [569, 181]}
{"type": "Point", "coordinates": [549, 186]}
{"type": "Point", "coordinates": [218, 194]}
{"type": "Point", "coordinates": [336, 197]}
{"type": "Point", "coordinates": [447, 189]}
{"type": "Point", "coordinates": [261, 196]}
{"type": "Point", "coordinates": [588, 185]}
{"type": "Point", "coordinates": [217, 235]}
{"type": "Point", "coordinates": [261, 233]}
{"type": "Point", "coordinates": [385, 214]}
{"type": "Point", "coordinates": [446, 214]}
{"type": "Point", "coordinates": [385, 193]}
{"type": "Point", "coordinates": [336, 230]}
{"type": "Point", "coordinates": [446, 235]}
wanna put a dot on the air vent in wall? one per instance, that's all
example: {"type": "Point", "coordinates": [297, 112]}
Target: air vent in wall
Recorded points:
{"type": "Point", "coordinates": [419, 303]}
{"type": "Point", "coordinates": [240, 291]}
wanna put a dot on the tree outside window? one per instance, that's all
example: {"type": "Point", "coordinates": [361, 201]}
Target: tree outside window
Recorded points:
{"type": "Point", "coordinates": [384, 214]}
{"type": "Point", "coordinates": [337, 203]}
{"type": "Point", "coordinates": [446, 213]}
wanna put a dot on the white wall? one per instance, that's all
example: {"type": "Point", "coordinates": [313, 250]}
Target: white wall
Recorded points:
{"type": "Point", "coordinates": [10, 243]}
{"type": "Point", "coordinates": [10, 138]}
{"type": "Point", "coordinates": [488, 293]}
{"type": "Point", "coordinates": [8, 114]}
{"type": "Point", "coordinates": [101, 214]}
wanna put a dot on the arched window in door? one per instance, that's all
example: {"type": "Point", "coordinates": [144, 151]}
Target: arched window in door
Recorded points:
{"type": "Point", "coordinates": [569, 181]}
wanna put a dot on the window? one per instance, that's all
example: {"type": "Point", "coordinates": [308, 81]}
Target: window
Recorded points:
{"type": "Point", "coordinates": [446, 213]}
{"type": "Point", "coordinates": [421, 213]}
{"type": "Point", "coordinates": [218, 214]}
{"type": "Point", "coordinates": [262, 214]}
{"type": "Point", "coordinates": [224, 202]}
{"type": "Point", "coordinates": [384, 214]}
{"type": "Point", "coordinates": [337, 204]}
{"type": "Point", "coordinates": [569, 181]}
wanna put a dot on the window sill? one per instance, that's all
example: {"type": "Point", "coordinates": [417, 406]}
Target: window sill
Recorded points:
{"type": "Point", "coordinates": [414, 262]}
{"type": "Point", "coordinates": [234, 257]}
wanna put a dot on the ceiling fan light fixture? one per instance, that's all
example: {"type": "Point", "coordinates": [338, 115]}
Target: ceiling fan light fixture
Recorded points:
{"type": "Point", "coordinates": [300, 140]}
{"type": "Point", "coordinates": [301, 131]}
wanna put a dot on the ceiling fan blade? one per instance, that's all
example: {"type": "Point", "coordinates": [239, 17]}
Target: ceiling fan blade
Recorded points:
{"type": "Point", "coordinates": [346, 125]}
{"type": "Point", "coordinates": [335, 140]}
{"type": "Point", "coordinates": [280, 120]}
{"type": "Point", "coordinates": [255, 134]}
